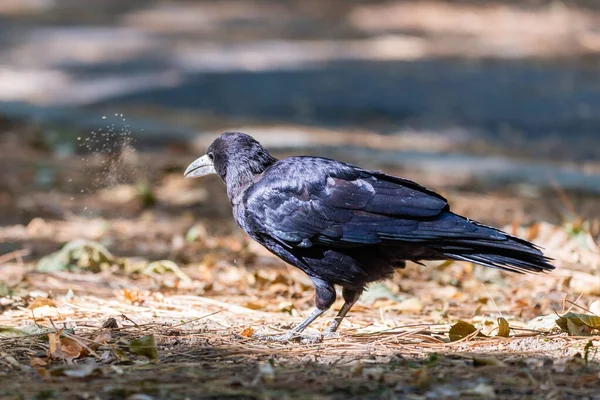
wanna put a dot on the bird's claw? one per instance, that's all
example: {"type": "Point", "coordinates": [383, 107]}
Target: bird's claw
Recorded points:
{"type": "Point", "coordinates": [330, 335]}
{"type": "Point", "coordinates": [291, 337]}
{"type": "Point", "coordinates": [312, 339]}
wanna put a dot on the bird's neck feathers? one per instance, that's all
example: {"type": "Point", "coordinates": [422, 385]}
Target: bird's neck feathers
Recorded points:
{"type": "Point", "coordinates": [244, 170]}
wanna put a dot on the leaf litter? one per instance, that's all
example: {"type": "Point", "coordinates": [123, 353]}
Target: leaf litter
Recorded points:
{"type": "Point", "coordinates": [162, 301]}
{"type": "Point", "coordinates": [115, 333]}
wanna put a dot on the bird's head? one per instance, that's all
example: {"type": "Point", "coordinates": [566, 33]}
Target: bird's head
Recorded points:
{"type": "Point", "coordinates": [234, 156]}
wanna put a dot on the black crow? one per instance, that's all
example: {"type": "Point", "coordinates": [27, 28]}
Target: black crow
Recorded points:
{"type": "Point", "coordinates": [343, 225]}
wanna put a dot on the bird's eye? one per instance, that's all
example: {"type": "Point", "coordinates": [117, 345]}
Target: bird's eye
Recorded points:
{"type": "Point", "coordinates": [211, 156]}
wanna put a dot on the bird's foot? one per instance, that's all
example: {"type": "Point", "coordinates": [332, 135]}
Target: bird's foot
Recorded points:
{"type": "Point", "coordinates": [330, 331]}
{"type": "Point", "coordinates": [290, 337]}
{"type": "Point", "coordinates": [327, 334]}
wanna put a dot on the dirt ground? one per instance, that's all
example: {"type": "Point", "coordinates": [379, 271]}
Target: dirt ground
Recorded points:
{"type": "Point", "coordinates": [159, 300]}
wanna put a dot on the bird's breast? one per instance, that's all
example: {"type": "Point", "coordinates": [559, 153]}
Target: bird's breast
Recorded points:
{"type": "Point", "coordinates": [239, 214]}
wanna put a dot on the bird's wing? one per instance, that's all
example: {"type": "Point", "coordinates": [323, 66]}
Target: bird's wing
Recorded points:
{"type": "Point", "coordinates": [332, 203]}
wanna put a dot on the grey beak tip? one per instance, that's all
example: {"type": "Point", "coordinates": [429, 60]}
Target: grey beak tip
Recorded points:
{"type": "Point", "coordinates": [200, 167]}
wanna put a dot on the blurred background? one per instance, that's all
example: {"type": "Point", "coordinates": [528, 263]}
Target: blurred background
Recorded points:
{"type": "Point", "coordinates": [494, 103]}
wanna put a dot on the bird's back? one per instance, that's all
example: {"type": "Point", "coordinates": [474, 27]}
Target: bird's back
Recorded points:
{"type": "Point", "coordinates": [353, 226]}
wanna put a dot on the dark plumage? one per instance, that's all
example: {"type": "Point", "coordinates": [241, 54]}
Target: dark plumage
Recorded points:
{"type": "Point", "coordinates": [343, 225]}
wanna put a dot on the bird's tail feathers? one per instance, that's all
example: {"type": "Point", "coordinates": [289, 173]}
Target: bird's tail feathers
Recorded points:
{"type": "Point", "coordinates": [517, 255]}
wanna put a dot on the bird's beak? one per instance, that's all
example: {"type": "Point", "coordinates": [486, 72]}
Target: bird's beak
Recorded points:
{"type": "Point", "coordinates": [202, 166]}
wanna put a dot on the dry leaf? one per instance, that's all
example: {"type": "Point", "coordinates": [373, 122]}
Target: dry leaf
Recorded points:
{"type": "Point", "coordinates": [461, 330]}
{"type": "Point", "coordinates": [253, 305]}
{"type": "Point", "coordinates": [132, 296]}
{"type": "Point", "coordinates": [110, 323]}
{"type": "Point", "coordinates": [576, 330]}
{"type": "Point", "coordinates": [120, 355]}
{"type": "Point", "coordinates": [101, 338]}
{"type": "Point", "coordinates": [144, 346]}
{"type": "Point", "coordinates": [533, 232]}
{"type": "Point", "coordinates": [9, 331]}
{"type": "Point", "coordinates": [585, 283]}
{"type": "Point", "coordinates": [503, 327]}
{"type": "Point", "coordinates": [38, 362]}
{"type": "Point", "coordinates": [522, 303]}
{"type": "Point", "coordinates": [595, 307]}
{"type": "Point", "coordinates": [544, 323]}
{"type": "Point", "coordinates": [578, 324]}
{"type": "Point", "coordinates": [376, 292]}
{"type": "Point", "coordinates": [53, 342]}
{"type": "Point", "coordinates": [63, 348]}
{"type": "Point", "coordinates": [411, 304]}
{"type": "Point", "coordinates": [162, 266]}
{"type": "Point", "coordinates": [249, 331]}
{"type": "Point", "coordinates": [41, 302]}
{"type": "Point", "coordinates": [78, 254]}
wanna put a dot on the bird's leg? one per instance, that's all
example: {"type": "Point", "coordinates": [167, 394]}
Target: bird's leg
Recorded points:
{"type": "Point", "coordinates": [350, 297]}
{"type": "Point", "coordinates": [325, 297]}
{"type": "Point", "coordinates": [297, 330]}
